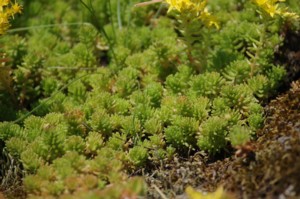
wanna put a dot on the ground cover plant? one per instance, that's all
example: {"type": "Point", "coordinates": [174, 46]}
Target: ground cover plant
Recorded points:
{"type": "Point", "coordinates": [95, 93]}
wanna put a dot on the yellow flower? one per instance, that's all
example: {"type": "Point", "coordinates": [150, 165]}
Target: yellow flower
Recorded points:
{"type": "Point", "coordinates": [7, 11]}
{"type": "Point", "coordinates": [271, 7]}
{"type": "Point", "coordinates": [218, 194]}
{"type": "Point", "coordinates": [195, 8]}
{"type": "Point", "coordinates": [16, 8]}
{"type": "Point", "coordinates": [184, 5]}
{"type": "Point", "coordinates": [3, 3]}
{"type": "Point", "coordinates": [179, 5]}
{"type": "Point", "coordinates": [208, 19]}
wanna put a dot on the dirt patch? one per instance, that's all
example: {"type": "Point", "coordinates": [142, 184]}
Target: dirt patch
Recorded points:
{"type": "Point", "coordinates": [173, 177]}
{"type": "Point", "coordinates": [10, 175]}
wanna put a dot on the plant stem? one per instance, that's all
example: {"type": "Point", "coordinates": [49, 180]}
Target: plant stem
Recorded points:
{"type": "Point", "coordinates": [100, 28]}
{"type": "Point", "coordinates": [119, 15]}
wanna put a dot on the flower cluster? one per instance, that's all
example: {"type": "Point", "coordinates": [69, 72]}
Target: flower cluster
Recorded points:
{"type": "Point", "coordinates": [182, 5]}
{"type": "Point", "coordinates": [218, 194]}
{"type": "Point", "coordinates": [271, 7]}
{"type": "Point", "coordinates": [7, 11]}
{"type": "Point", "coordinates": [196, 8]}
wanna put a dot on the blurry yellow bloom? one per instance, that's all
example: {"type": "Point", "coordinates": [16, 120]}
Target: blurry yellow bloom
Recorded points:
{"type": "Point", "coordinates": [192, 8]}
{"type": "Point", "coordinates": [271, 7]}
{"type": "Point", "coordinates": [196, 8]}
{"type": "Point", "coordinates": [16, 8]}
{"type": "Point", "coordinates": [218, 194]}
{"type": "Point", "coordinates": [7, 11]}
{"type": "Point", "coordinates": [3, 3]}
{"type": "Point", "coordinates": [179, 5]}
{"type": "Point", "coordinates": [208, 19]}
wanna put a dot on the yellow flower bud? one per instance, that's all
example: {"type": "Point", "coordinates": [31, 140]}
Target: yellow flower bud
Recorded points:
{"type": "Point", "coordinates": [271, 7]}
{"type": "Point", "coordinates": [194, 8]}
{"type": "Point", "coordinates": [7, 11]}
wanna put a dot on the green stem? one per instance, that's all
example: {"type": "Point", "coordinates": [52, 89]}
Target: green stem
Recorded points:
{"type": "Point", "coordinates": [119, 15]}
{"type": "Point", "coordinates": [100, 28]}
{"type": "Point", "coordinates": [188, 39]}
{"type": "Point", "coordinates": [111, 20]}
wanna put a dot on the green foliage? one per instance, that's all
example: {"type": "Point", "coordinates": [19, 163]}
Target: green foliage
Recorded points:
{"type": "Point", "coordinates": [138, 155]}
{"type": "Point", "coordinates": [238, 97]}
{"type": "Point", "coordinates": [71, 175]}
{"type": "Point", "coordinates": [182, 132]}
{"type": "Point", "coordinates": [74, 143]}
{"type": "Point", "coordinates": [154, 91]}
{"type": "Point", "coordinates": [16, 146]}
{"type": "Point", "coordinates": [126, 82]}
{"type": "Point", "coordinates": [213, 134]}
{"type": "Point", "coordinates": [30, 160]}
{"type": "Point", "coordinates": [131, 126]}
{"type": "Point", "coordinates": [153, 126]}
{"type": "Point", "coordinates": [238, 71]}
{"type": "Point", "coordinates": [178, 83]}
{"type": "Point", "coordinates": [126, 89]}
{"type": "Point", "coordinates": [94, 142]}
{"type": "Point", "coordinates": [207, 84]}
{"type": "Point", "coordinates": [100, 121]}
{"type": "Point", "coordinates": [8, 130]}
{"type": "Point", "coordinates": [239, 135]}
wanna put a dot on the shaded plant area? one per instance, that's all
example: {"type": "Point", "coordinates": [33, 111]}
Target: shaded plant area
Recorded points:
{"type": "Point", "coordinates": [288, 55]}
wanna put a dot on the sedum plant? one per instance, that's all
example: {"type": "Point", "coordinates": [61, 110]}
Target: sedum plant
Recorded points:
{"type": "Point", "coordinates": [173, 85]}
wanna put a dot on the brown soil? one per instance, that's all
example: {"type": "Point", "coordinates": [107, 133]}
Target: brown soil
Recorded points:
{"type": "Point", "coordinates": [10, 176]}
